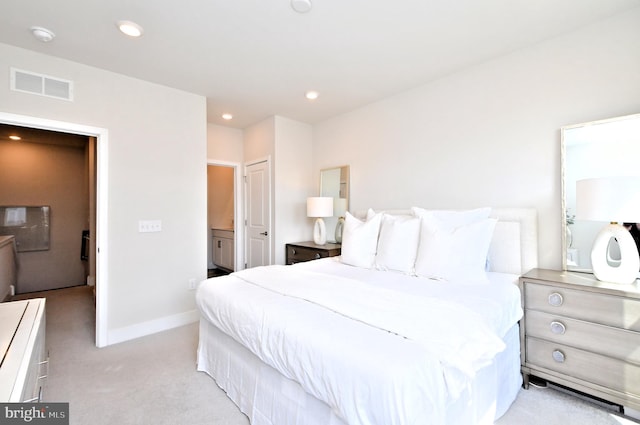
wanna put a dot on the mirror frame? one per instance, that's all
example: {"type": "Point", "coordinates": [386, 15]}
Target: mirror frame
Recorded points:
{"type": "Point", "coordinates": [564, 179]}
{"type": "Point", "coordinates": [343, 180]}
{"type": "Point", "coordinates": [345, 174]}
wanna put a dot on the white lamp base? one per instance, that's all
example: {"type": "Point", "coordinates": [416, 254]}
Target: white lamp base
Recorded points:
{"type": "Point", "coordinates": [626, 271]}
{"type": "Point", "coordinates": [320, 232]}
{"type": "Point", "coordinates": [339, 228]}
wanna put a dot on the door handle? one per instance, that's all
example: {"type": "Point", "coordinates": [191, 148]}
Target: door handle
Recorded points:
{"type": "Point", "coordinates": [264, 233]}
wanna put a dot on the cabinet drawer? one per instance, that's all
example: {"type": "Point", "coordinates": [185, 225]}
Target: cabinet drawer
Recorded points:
{"type": "Point", "coordinates": [613, 342]}
{"type": "Point", "coordinates": [38, 369]}
{"type": "Point", "coordinates": [593, 307]}
{"type": "Point", "coordinates": [597, 369]}
{"type": "Point", "coordinates": [296, 254]}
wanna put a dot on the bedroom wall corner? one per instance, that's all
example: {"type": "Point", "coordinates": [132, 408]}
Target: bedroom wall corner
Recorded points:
{"type": "Point", "coordinates": [490, 134]}
{"type": "Point", "coordinates": [293, 183]}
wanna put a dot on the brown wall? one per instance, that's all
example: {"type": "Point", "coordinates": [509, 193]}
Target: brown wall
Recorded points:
{"type": "Point", "coordinates": [34, 174]}
{"type": "Point", "coordinates": [220, 196]}
{"type": "Point", "coordinates": [220, 202]}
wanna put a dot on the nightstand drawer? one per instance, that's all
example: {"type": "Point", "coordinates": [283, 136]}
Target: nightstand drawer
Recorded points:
{"type": "Point", "coordinates": [297, 254]}
{"type": "Point", "coordinates": [601, 370]}
{"type": "Point", "coordinates": [307, 251]}
{"type": "Point", "coordinates": [584, 305]}
{"type": "Point", "coordinates": [613, 342]}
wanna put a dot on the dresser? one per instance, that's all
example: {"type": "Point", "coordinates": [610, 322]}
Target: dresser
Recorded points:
{"type": "Point", "coordinates": [22, 347]}
{"type": "Point", "coordinates": [306, 251]}
{"type": "Point", "coordinates": [582, 333]}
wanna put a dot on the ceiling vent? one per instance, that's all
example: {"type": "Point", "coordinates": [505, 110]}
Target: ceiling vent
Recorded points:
{"type": "Point", "coordinates": [43, 85]}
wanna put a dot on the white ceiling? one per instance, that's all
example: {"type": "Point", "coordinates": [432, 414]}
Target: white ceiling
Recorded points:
{"type": "Point", "coordinates": [256, 58]}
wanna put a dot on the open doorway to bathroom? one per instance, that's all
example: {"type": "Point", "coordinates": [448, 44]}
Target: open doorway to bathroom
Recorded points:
{"type": "Point", "coordinates": [48, 205]}
{"type": "Point", "coordinates": [99, 243]}
{"type": "Point", "coordinates": [221, 213]}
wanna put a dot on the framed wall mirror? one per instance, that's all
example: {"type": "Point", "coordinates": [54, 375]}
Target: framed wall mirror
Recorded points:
{"type": "Point", "coordinates": [334, 182]}
{"type": "Point", "coordinates": [606, 148]}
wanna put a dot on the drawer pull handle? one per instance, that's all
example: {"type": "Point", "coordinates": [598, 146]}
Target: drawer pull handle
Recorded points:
{"type": "Point", "coordinates": [558, 328]}
{"type": "Point", "coordinates": [293, 251]}
{"type": "Point", "coordinates": [317, 256]}
{"type": "Point", "coordinates": [556, 299]}
{"type": "Point", "coordinates": [558, 356]}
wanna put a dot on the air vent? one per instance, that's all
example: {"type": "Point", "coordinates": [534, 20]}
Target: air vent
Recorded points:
{"type": "Point", "coordinates": [43, 85]}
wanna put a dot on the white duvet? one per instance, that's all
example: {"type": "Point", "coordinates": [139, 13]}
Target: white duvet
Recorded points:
{"type": "Point", "coordinates": [378, 347]}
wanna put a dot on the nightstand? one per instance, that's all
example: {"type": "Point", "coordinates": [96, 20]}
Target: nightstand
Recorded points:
{"type": "Point", "coordinates": [306, 251]}
{"type": "Point", "coordinates": [582, 333]}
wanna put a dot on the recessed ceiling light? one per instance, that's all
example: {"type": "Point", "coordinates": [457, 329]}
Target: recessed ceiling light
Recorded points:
{"type": "Point", "coordinates": [42, 34]}
{"type": "Point", "coordinates": [14, 137]}
{"type": "Point", "coordinates": [227, 117]}
{"type": "Point", "coordinates": [301, 6]}
{"type": "Point", "coordinates": [130, 28]}
{"type": "Point", "coordinates": [311, 95]}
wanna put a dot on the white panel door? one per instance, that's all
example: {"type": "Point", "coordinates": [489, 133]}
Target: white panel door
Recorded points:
{"type": "Point", "coordinates": [258, 215]}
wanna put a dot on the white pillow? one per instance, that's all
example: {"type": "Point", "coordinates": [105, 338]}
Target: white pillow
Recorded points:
{"type": "Point", "coordinates": [398, 243]}
{"type": "Point", "coordinates": [360, 240]}
{"type": "Point", "coordinates": [454, 218]}
{"type": "Point", "coordinates": [454, 253]}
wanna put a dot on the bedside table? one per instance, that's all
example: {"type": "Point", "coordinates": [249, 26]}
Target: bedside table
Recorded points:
{"type": "Point", "coordinates": [306, 251]}
{"type": "Point", "coordinates": [582, 333]}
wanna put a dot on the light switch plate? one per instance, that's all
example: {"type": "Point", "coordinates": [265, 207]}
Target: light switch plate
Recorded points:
{"type": "Point", "coordinates": [146, 226]}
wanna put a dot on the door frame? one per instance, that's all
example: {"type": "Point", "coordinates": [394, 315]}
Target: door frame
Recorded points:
{"type": "Point", "coordinates": [102, 140]}
{"type": "Point", "coordinates": [238, 208]}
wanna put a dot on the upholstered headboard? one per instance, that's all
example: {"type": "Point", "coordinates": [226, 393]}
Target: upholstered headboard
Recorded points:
{"type": "Point", "coordinates": [514, 247]}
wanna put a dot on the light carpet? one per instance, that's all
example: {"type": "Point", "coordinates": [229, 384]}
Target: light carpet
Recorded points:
{"type": "Point", "coordinates": [153, 380]}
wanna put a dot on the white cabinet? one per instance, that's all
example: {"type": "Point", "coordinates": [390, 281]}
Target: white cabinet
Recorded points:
{"type": "Point", "coordinates": [7, 266]}
{"type": "Point", "coordinates": [223, 248]}
{"type": "Point", "coordinates": [22, 344]}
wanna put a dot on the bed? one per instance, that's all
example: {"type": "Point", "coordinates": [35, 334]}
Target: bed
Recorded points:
{"type": "Point", "coordinates": [415, 323]}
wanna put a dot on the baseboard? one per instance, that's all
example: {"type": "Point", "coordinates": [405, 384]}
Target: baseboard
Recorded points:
{"type": "Point", "coordinates": [150, 327]}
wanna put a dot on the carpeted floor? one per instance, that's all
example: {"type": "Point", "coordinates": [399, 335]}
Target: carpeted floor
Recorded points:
{"type": "Point", "coordinates": [153, 380]}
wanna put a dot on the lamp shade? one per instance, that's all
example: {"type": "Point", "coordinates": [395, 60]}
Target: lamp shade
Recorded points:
{"type": "Point", "coordinates": [612, 199]}
{"type": "Point", "coordinates": [319, 206]}
{"type": "Point", "coordinates": [616, 200]}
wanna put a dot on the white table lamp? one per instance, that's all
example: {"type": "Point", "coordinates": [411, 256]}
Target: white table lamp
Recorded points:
{"type": "Point", "coordinates": [616, 200]}
{"type": "Point", "coordinates": [319, 207]}
{"type": "Point", "coordinates": [339, 210]}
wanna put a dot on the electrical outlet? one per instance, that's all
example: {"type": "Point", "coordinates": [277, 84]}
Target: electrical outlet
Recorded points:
{"type": "Point", "coordinates": [192, 284]}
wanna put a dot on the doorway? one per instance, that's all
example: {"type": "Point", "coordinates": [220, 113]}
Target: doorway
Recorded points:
{"type": "Point", "coordinates": [258, 222]}
{"type": "Point", "coordinates": [225, 252]}
{"type": "Point", "coordinates": [47, 203]}
{"type": "Point", "coordinates": [100, 216]}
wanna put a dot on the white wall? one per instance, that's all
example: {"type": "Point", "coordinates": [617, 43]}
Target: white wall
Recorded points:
{"type": "Point", "coordinates": [224, 143]}
{"type": "Point", "coordinates": [489, 135]}
{"type": "Point", "coordinates": [294, 178]}
{"type": "Point", "coordinates": [157, 170]}
{"type": "Point", "coordinates": [259, 140]}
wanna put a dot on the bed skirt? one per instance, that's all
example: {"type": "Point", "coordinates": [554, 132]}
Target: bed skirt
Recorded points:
{"type": "Point", "coordinates": [269, 398]}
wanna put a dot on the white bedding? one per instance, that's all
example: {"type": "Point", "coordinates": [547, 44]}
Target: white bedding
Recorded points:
{"type": "Point", "coordinates": [366, 374]}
